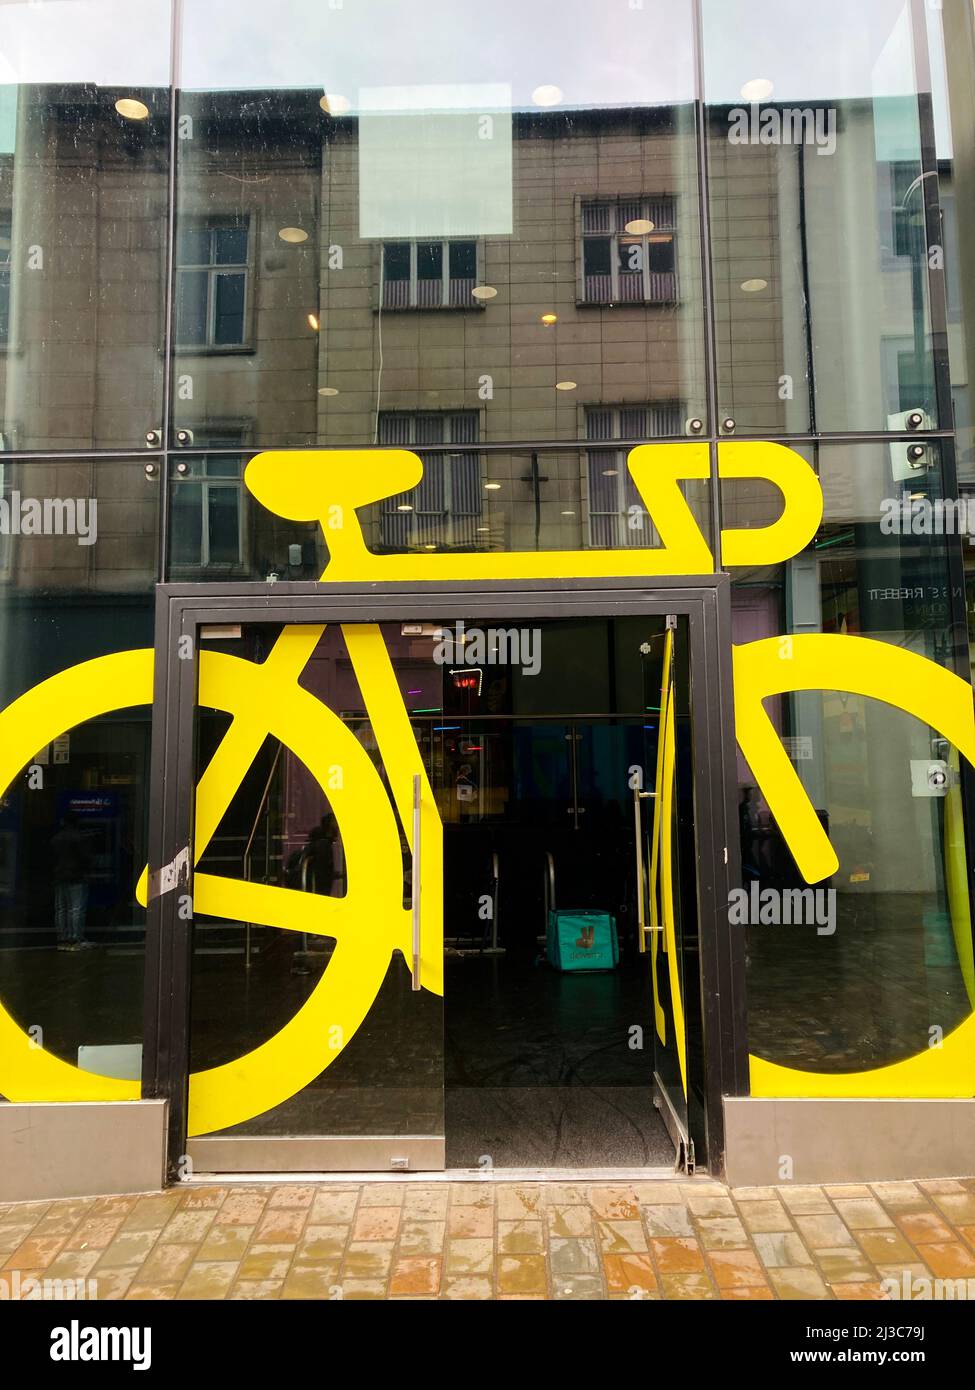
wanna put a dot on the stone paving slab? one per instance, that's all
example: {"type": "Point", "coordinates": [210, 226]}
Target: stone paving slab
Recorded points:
{"type": "Point", "coordinates": [465, 1240]}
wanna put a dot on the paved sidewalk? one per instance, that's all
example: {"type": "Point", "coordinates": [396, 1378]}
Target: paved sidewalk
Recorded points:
{"type": "Point", "coordinates": [476, 1240]}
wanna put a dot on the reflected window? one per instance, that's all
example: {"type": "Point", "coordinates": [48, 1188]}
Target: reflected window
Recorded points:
{"type": "Point", "coordinates": [629, 253]}
{"type": "Point", "coordinates": [443, 510]}
{"type": "Point", "coordinates": [212, 289]}
{"type": "Point", "coordinates": [617, 516]}
{"type": "Point", "coordinates": [429, 274]}
{"type": "Point", "coordinates": [207, 514]}
{"type": "Point", "coordinates": [906, 209]}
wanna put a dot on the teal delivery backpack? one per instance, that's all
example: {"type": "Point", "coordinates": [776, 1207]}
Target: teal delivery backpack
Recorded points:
{"type": "Point", "coordinates": [582, 940]}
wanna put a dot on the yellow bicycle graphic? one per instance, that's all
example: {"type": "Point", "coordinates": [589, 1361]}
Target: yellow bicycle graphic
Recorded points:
{"type": "Point", "coordinates": [369, 923]}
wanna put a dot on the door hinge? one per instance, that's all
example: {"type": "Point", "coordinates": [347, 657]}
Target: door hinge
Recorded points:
{"type": "Point", "coordinates": [684, 1162]}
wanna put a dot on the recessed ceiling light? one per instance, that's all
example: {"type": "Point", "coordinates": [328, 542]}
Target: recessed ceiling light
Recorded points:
{"type": "Point", "coordinates": [565, 385]}
{"type": "Point", "coordinates": [335, 105]}
{"type": "Point", "coordinates": [404, 507]}
{"type": "Point", "coordinates": [293, 235]}
{"type": "Point", "coordinates": [547, 95]}
{"type": "Point", "coordinates": [328, 390]}
{"type": "Point", "coordinates": [484, 292]}
{"type": "Point", "coordinates": [754, 286]}
{"type": "Point", "coordinates": [639, 226]}
{"type": "Point", "coordinates": [430, 546]}
{"type": "Point", "coordinates": [549, 319]}
{"type": "Point", "coordinates": [132, 109]}
{"type": "Point", "coordinates": [313, 322]}
{"type": "Point", "coordinates": [758, 89]}
{"type": "Point", "coordinates": [611, 472]}
{"type": "Point", "coordinates": [491, 487]}
{"type": "Point", "coordinates": [484, 528]}
{"type": "Point", "coordinates": [568, 513]}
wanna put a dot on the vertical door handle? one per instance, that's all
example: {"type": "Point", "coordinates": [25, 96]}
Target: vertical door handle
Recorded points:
{"type": "Point", "coordinates": [641, 899]}
{"type": "Point", "coordinates": [415, 897]}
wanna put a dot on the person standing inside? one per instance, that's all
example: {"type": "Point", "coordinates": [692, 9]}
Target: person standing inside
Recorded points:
{"type": "Point", "coordinates": [72, 864]}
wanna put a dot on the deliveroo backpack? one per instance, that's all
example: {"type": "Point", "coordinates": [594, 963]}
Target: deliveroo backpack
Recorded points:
{"type": "Point", "coordinates": [582, 940]}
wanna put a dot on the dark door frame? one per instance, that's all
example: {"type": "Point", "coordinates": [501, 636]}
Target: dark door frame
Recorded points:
{"type": "Point", "coordinates": [181, 609]}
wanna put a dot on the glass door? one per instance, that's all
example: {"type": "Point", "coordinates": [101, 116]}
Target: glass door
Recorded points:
{"type": "Point", "coordinates": [316, 1032]}
{"type": "Point", "coordinates": [338, 801]}
{"type": "Point", "coordinates": [664, 843]}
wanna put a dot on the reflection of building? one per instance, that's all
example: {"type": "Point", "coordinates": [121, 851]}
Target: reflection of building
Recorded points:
{"type": "Point", "coordinates": [519, 295]}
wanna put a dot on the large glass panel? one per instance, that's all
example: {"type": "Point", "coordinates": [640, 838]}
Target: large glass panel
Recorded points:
{"type": "Point", "coordinates": [874, 964]}
{"type": "Point", "coordinates": [828, 277]}
{"type": "Point", "coordinates": [430, 218]}
{"type": "Point", "coordinates": [78, 542]}
{"type": "Point", "coordinates": [319, 822]}
{"type": "Point", "coordinates": [84, 139]}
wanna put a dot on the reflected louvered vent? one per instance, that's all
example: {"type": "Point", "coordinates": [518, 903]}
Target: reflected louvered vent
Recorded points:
{"type": "Point", "coordinates": [429, 294]}
{"type": "Point", "coordinates": [396, 526]}
{"type": "Point", "coordinates": [603, 503]}
{"type": "Point", "coordinates": [444, 508]}
{"type": "Point", "coordinates": [617, 513]}
{"type": "Point", "coordinates": [596, 219]}
{"type": "Point", "coordinates": [460, 292]}
{"type": "Point", "coordinates": [631, 285]}
{"type": "Point", "coordinates": [428, 496]}
{"type": "Point", "coordinates": [465, 481]}
{"type": "Point", "coordinates": [396, 294]}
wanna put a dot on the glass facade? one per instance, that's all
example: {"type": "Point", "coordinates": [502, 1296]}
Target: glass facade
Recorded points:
{"type": "Point", "coordinates": [518, 246]}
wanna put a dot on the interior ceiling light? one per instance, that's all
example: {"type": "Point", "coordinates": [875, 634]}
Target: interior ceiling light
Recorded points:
{"type": "Point", "coordinates": [758, 89]}
{"type": "Point", "coordinates": [565, 385]}
{"type": "Point", "coordinates": [568, 513]}
{"type": "Point", "coordinates": [754, 286]}
{"type": "Point", "coordinates": [484, 292]}
{"type": "Point", "coordinates": [491, 487]}
{"type": "Point", "coordinates": [611, 472]}
{"type": "Point", "coordinates": [547, 95]}
{"type": "Point", "coordinates": [328, 390]}
{"type": "Point", "coordinates": [132, 109]}
{"type": "Point", "coordinates": [549, 319]}
{"type": "Point", "coordinates": [294, 236]}
{"type": "Point", "coordinates": [404, 507]}
{"type": "Point", "coordinates": [639, 226]}
{"type": "Point", "coordinates": [313, 322]}
{"type": "Point", "coordinates": [335, 105]}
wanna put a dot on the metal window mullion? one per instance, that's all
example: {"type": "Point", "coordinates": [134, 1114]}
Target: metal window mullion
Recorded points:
{"type": "Point", "coordinates": [244, 325]}
{"type": "Point", "coordinates": [239, 491]}
{"type": "Point", "coordinates": [211, 306]}
{"type": "Point", "coordinates": [205, 524]}
{"type": "Point", "coordinates": [414, 280]}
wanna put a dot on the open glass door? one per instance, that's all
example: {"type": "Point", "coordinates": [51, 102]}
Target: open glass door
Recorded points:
{"type": "Point", "coordinates": [316, 1037]}
{"type": "Point", "coordinates": [664, 836]}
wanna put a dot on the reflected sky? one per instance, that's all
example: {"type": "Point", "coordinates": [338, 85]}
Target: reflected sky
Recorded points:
{"type": "Point", "coordinates": [111, 43]}
{"type": "Point", "coordinates": [595, 53]}
{"type": "Point", "coordinates": [551, 54]}
{"type": "Point", "coordinates": [832, 50]}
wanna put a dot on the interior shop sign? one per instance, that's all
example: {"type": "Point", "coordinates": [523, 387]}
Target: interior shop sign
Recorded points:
{"type": "Point", "coordinates": [49, 516]}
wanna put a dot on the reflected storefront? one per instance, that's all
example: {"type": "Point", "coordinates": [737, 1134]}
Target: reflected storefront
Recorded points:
{"type": "Point", "coordinates": [458, 473]}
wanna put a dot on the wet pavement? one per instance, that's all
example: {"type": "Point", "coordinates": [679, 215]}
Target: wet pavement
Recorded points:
{"type": "Point", "coordinates": [688, 1239]}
